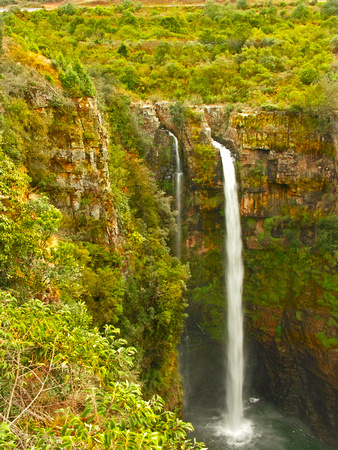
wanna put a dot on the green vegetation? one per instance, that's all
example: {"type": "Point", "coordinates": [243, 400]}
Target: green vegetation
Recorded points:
{"type": "Point", "coordinates": [75, 80]}
{"type": "Point", "coordinates": [136, 285]}
{"type": "Point", "coordinates": [205, 160]}
{"type": "Point", "coordinates": [297, 264]}
{"type": "Point", "coordinates": [64, 385]}
{"type": "Point", "coordinates": [294, 267]}
{"type": "Point", "coordinates": [206, 287]}
{"type": "Point", "coordinates": [147, 304]}
{"type": "Point", "coordinates": [327, 342]}
{"type": "Point", "coordinates": [48, 259]}
{"type": "Point", "coordinates": [256, 176]}
{"type": "Point", "coordinates": [153, 305]}
{"type": "Point", "coordinates": [67, 381]}
{"type": "Point", "coordinates": [27, 263]}
{"type": "Point", "coordinates": [258, 55]}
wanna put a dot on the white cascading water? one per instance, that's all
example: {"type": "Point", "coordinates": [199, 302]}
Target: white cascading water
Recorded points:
{"type": "Point", "coordinates": [234, 283]}
{"type": "Point", "coordinates": [178, 182]}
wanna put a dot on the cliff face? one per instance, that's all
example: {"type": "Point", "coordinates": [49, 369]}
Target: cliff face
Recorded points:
{"type": "Point", "coordinates": [281, 159]}
{"type": "Point", "coordinates": [287, 172]}
{"type": "Point", "coordinates": [290, 368]}
{"type": "Point", "coordinates": [79, 159]}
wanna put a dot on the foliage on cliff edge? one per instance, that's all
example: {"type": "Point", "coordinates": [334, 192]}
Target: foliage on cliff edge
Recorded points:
{"type": "Point", "coordinates": [65, 383]}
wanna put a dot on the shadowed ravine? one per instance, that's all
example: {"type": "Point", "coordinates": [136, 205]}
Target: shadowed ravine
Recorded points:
{"type": "Point", "coordinates": [203, 368]}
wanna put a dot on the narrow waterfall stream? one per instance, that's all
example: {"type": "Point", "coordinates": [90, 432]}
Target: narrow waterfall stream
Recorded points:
{"type": "Point", "coordinates": [234, 425]}
{"type": "Point", "coordinates": [178, 186]}
{"type": "Point", "coordinates": [234, 283]}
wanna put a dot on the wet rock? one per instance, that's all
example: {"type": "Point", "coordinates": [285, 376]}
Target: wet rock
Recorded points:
{"type": "Point", "coordinates": [293, 371]}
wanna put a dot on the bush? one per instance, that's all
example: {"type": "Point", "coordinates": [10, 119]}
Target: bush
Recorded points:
{"type": "Point", "coordinates": [25, 227]}
{"type": "Point", "coordinates": [301, 12]}
{"type": "Point", "coordinates": [171, 23]}
{"type": "Point", "coordinates": [130, 78]}
{"type": "Point", "coordinates": [242, 4]}
{"type": "Point", "coordinates": [328, 233]}
{"type": "Point", "coordinates": [308, 74]}
{"type": "Point", "coordinates": [69, 9]}
{"type": "Point", "coordinates": [178, 114]}
{"type": "Point", "coordinates": [329, 8]}
{"type": "Point", "coordinates": [63, 383]}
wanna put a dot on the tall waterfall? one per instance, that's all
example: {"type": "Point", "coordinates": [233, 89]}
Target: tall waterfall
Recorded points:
{"type": "Point", "coordinates": [234, 283]}
{"type": "Point", "coordinates": [178, 185]}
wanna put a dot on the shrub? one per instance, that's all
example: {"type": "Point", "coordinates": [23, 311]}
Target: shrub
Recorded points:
{"type": "Point", "coordinates": [130, 78]}
{"type": "Point", "coordinates": [301, 12]}
{"type": "Point", "coordinates": [308, 74]}
{"type": "Point", "coordinates": [171, 24]}
{"type": "Point", "coordinates": [329, 8]}
{"type": "Point", "coordinates": [63, 383]}
{"type": "Point", "coordinates": [178, 114]}
{"type": "Point", "coordinates": [328, 233]}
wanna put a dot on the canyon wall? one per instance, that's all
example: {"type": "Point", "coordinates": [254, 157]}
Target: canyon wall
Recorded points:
{"type": "Point", "coordinates": [286, 166]}
{"type": "Point", "coordinates": [79, 183]}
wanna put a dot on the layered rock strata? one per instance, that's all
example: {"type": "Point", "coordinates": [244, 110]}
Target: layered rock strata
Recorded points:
{"type": "Point", "coordinates": [283, 160]}
{"type": "Point", "coordinates": [79, 158]}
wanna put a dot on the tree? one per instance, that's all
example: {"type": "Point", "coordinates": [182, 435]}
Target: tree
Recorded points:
{"type": "Point", "coordinates": [130, 78]}
{"type": "Point", "coordinates": [25, 227]}
{"type": "Point", "coordinates": [162, 50]}
{"type": "Point", "coordinates": [86, 85]}
{"type": "Point", "coordinates": [77, 81]}
{"type": "Point", "coordinates": [123, 50]}
{"type": "Point", "coordinates": [71, 81]}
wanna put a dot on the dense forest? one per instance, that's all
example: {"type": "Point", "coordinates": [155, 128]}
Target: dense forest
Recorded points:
{"type": "Point", "coordinates": [92, 299]}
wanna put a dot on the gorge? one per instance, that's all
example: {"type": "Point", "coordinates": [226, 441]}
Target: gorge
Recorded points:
{"type": "Point", "coordinates": [116, 229]}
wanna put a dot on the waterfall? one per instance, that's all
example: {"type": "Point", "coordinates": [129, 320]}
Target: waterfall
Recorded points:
{"type": "Point", "coordinates": [234, 284]}
{"type": "Point", "coordinates": [178, 185]}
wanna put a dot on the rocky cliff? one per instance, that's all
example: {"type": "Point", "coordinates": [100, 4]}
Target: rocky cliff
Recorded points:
{"type": "Point", "coordinates": [286, 166]}
{"type": "Point", "coordinates": [79, 157]}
